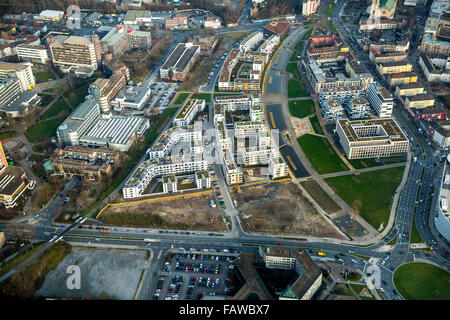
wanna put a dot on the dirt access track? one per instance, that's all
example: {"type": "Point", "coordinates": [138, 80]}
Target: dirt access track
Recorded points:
{"type": "Point", "coordinates": [190, 213]}
{"type": "Point", "coordinates": [281, 208]}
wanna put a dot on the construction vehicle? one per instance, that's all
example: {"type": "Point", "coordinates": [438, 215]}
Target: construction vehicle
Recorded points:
{"type": "Point", "coordinates": [237, 188]}
{"type": "Point", "coordinates": [322, 254]}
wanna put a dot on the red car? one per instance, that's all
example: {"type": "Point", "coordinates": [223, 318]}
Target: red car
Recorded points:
{"type": "Point", "coordinates": [279, 243]}
{"type": "Point", "coordinates": [409, 229]}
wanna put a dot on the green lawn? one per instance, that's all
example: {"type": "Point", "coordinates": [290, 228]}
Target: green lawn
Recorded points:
{"type": "Point", "coordinates": [297, 50]}
{"type": "Point", "coordinates": [370, 194]}
{"type": "Point", "coordinates": [43, 76]}
{"type": "Point", "coordinates": [7, 134]}
{"type": "Point", "coordinates": [392, 242]}
{"type": "Point", "coordinates": [321, 154]}
{"type": "Point", "coordinates": [205, 96]}
{"type": "Point", "coordinates": [76, 95]}
{"type": "Point", "coordinates": [315, 124]}
{"type": "Point", "coordinates": [332, 26]}
{"type": "Point", "coordinates": [55, 90]}
{"type": "Point", "coordinates": [291, 67]}
{"type": "Point", "coordinates": [44, 130]}
{"type": "Point", "coordinates": [181, 97]}
{"type": "Point", "coordinates": [415, 236]}
{"type": "Point", "coordinates": [236, 35]}
{"type": "Point", "coordinates": [329, 9]}
{"type": "Point", "coordinates": [58, 107]}
{"type": "Point", "coordinates": [370, 162]}
{"type": "Point", "coordinates": [296, 89]}
{"type": "Point", "coordinates": [308, 34]}
{"type": "Point", "coordinates": [422, 281]}
{"type": "Point", "coordinates": [301, 108]}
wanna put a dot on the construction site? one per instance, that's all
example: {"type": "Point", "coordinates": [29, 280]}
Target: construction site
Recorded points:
{"type": "Point", "coordinates": [280, 208]}
{"type": "Point", "coordinates": [183, 213]}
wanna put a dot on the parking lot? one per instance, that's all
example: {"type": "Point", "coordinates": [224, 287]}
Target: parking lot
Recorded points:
{"type": "Point", "coordinates": [189, 276]}
{"type": "Point", "coordinates": [162, 93]}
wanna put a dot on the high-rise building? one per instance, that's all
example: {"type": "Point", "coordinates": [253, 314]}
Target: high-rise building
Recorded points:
{"type": "Point", "coordinates": [309, 7]}
{"type": "Point", "coordinates": [32, 53]}
{"type": "Point", "coordinates": [21, 70]}
{"type": "Point", "coordinates": [74, 51]}
{"type": "Point", "coordinates": [104, 90]}
{"type": "Point", "coordinates": [380, 100]}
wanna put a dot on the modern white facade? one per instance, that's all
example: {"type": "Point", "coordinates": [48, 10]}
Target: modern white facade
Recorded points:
{"type": "Point", "coordinates": [251, 41]}
{"type": "Point", "coordinates": [309, 7]}
{"type": "Point", "coordinates": [22, 71]}
{"type": "Point", "coordinates": [32, 53]}
{"type": "Point", "coordinates": [442, 216]}
{"type": "Point", "coordinates": [188, 112]}
{"type": "Point", "coordinates": [380, 100]}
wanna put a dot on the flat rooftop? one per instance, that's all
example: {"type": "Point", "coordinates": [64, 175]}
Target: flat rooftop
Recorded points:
{"type": "Point", "coordinates": [180, 57]}
{"type": "Point", "coordinates": [390, 130]}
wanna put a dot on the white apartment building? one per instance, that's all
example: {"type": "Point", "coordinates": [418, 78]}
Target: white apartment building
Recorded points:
{"type": "Point", "coordinates": [371, 138]}
{"type": "Point", "coordinates": [191, 135]}
{"type": "Point", "coordinates": [331, 110]}
{"type": "Point", "coordinates": [212, 23]}
{"type": "Point", "coordinates": [380, 100]}
{"type": "Point", "coordinates": [188, 112]}
{"type": "Point", "coordinates": [22, 71]}
{"type": "Point", "coordinates": [270, 44]}
{"type": "Point", "coordinates": [170, 184]}
{"type": "Point", "coordinates": [32, 53]}
{"type": "Point", "coordinates": [202, 180]}
{"type": "Point", "coordinates": [251, 41]}
{"type": "Point", "coordinates": [151, 169]}
{"type": "Point", "coordinates": [358, 109]}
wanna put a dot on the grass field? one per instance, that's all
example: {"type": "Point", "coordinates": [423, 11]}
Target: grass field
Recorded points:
{"type": "Point", "coordinates": [58, 107]}
{"type": "Point", "coordinates": [181, 97]}
{"type": "Point", "coordinates": [76, 95]}
{"type": "Point", "coordinates": [321, 154]}
{"type": "Point", "coordinates": [370, 162]}
{"type": "Point", "coordinates": [422, 281]}
{"type": "Point", "coordinates": [415, 236]}
{"type": "Point", "coordinates": [320, 196]}
{"type": "Point", "coordinates": [296, 89]}
{"type": "Point", "coordinates": [301, 108]}
{"type": "Point", "coordinates": [236, 35]}
{"type": "Point", "coordinates": [291, 67]}
{"type": "Point", "coordinates": [44, 130]}
{"type": "Point", "coordinates": [205, 96]}
{"type": "Point", "coordinates": [7, 134]}
{"type": "Point", "coordinates": [332, 26]}
{"type": "Point", "coordinates": [43, 76]}
{"type": "Point", "coordinates": [370, 194]}
{"type": "Point", "coordinates": [315, 124]}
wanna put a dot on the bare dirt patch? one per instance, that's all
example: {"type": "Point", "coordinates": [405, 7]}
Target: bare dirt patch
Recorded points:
{"type": "Point", "coordinates": [320, 196]}
{"type": "Point", "coordinates": [191, 213]}
{"type": "Point", "coordinates": [281, 208]}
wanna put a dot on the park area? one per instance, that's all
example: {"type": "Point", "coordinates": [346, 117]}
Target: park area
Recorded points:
{"type": "Point", "coordinates": [422, 281]}
{"type": "Point", "coordinates": [296, 89]}
{"type": "Point", "coordinates": [301, 108]}
{"type": "Point", "coordinates": [183, 213]}
{"type": "Point", "coordinates": [370, 194]}
{"type": "Point", "coordinates": [281, 208]}
{"type": "Point", "coordinates": [321, 155]}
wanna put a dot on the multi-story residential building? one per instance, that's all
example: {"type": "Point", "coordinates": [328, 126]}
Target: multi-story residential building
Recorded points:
{"type": "Point", "coordinates": [394, 67]}
{"type": "Point", "coordinates": [32, 53]}
{"type": "Point", "coordinates": [13, 183]}
{"type": "Point", "coordinates": [104, 90]}
{"type": "Point", "coordinates": [430, 70]}
{"type": "Point", "coordinates": [409, 89]}
{"type": "Point", "coordinates": [358, 109]}
{"type": "Point", "coordinates": [430, 114]}
{"type": "Point", "coordinates": [202, 180]}
{"type": "Point", "coordinates": [187, 113]}
{"type": "Point", "coordinates": [151, 169]}
{"type": "Point", "coordinates": [180, 61]}
{"type": "Point", "coordinates": [22, 71]}
{"type": "Point", "coordinates": [377, 56]}
{"type": "Point", "coordinates": [170, 183]}
{"type": "Point", "coordinates": [380, 100]}
{"type": "Point", "coordinates": [74, 51]}
{"type": "Point", "coordinates": [213, 23]}
{"type": "Point", "coordinates": [371, 138]}
{"type": "Point", "coordinates": [332, 110]}
{"type": "Point", "coordinates": [309, 7]}
{"type": "Point", "coordinates": [270, 44]}
{"type": "Point", "coordinates": [375, 23]}
{"type": "Point", "coordinates": [251, 41]}
{"type": "Point", "coordinates": [91, 164]}
{"type": "Point", "coordinates": [396, 79]}
{"type": "Point", "coordinates": [436, 38]}
{"type": "Point", "coordinates": [177, 22]}
{"type": "Point", "coordinates": [419, 101]}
